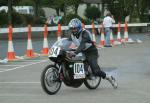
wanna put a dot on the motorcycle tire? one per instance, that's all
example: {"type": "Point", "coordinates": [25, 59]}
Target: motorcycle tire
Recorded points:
{"type": "Point", "coordinates": [50, 80]}
{"type": "Point", "coordinates": [92, 82]}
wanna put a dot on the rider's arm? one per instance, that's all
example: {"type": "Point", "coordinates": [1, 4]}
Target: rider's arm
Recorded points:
{"type": "Point", "coordinates": [84, 40]}
{"type": "Point", "coordinates": [70, 38]}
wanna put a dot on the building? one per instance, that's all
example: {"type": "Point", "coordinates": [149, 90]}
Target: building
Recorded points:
{"type": "Point", "coordinates": [51, 12]}
{"type": "Point", "coordinates": [20, 9]}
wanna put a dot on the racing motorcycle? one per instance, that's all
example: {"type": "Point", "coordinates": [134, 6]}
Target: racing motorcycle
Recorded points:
{"type": "Point", "coordinates": [72, 71]}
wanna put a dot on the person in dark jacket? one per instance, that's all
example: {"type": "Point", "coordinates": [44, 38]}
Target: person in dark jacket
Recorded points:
{"type": "Point", "coordinates": [83, 40]}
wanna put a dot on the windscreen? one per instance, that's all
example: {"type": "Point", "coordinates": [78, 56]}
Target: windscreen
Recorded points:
{"type": "Point", "coordinates": [65, 44]}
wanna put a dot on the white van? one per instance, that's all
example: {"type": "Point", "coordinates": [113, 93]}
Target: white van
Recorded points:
{"type": "Point", "coordinates": [20, 9]}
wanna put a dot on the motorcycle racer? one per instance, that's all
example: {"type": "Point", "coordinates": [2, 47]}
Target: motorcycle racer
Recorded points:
{"type": "Point", "coordinates": [83, 40]}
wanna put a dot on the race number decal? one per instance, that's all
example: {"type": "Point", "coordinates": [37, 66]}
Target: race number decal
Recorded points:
{"type": "Point", "coordinates": [79, 70]}
{"type": "Point", "coordinates": [54, 51]}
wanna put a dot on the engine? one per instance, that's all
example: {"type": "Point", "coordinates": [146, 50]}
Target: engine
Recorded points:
{"type": "Point", "coordinates": [69, 75]}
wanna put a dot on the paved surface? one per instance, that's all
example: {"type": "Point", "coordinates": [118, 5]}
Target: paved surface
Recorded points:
{"type": "Point", "coordinates": [130, 63]}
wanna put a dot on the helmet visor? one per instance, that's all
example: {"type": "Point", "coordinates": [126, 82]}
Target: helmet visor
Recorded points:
{"type": "Point", "coordinates": [74, 30]}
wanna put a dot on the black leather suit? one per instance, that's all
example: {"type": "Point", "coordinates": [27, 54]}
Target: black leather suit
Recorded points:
{"type": "Point", "coordinates": [91, 53]}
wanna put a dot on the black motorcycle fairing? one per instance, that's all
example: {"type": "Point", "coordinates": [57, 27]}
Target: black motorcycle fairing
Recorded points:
{"type": "Point", "coordinates": [64, 46]}
{"type": "Point", "coordinates": [60, 57]}
{"type": "Point", "coordinates": [68, 75]}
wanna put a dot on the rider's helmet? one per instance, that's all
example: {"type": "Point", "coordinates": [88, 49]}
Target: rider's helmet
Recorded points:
{"type": "Point", "coordinates": [75, 26]}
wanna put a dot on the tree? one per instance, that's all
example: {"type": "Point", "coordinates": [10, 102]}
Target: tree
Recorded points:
{"type": "Point", "coordinates": [92, 12]}
{"type": "Point", "coordinates": [75, 4]}
{"type": "Point", "coordinates": [37, 6]}
{"type": "Point", "coordinates": [3, 2]}
{"type": "Point", "coordinates": [46, 3]}
{"type": "Point", "coordinates": [58, 5]}
{"type": "Point", "coordinates": [142, 7]}
{"type": "Point", "coordinates": [26, 2]}
{"type": "Point", "coordinates": [10, 4]}
{"type": "Point", "coordinates": [122, 8]}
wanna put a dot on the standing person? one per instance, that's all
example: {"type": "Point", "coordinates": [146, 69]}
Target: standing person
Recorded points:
{"type": "Point", "coordinates": [83, 40]}
{"type": "Point", "coordinates": [108, 22]}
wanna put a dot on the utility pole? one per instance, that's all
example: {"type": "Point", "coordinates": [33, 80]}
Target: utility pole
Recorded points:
{"type": "Point", "coordinates": [65, 12]}
{"type": "Point", "coordinates": [9, 11]}
{"type": "Point", "coordinates": [37, 3]}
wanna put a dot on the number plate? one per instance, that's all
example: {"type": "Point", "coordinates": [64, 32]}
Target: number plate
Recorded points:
{"type": "Point", "coordinates": [54, 51]}
{"type": "Point", "coordinates": [79, 71]}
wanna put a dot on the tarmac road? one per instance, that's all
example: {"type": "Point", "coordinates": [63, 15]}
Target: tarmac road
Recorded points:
{"type": "Point", "coordinates": [129, 63]}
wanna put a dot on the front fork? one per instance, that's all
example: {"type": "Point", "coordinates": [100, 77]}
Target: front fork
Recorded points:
{"type": "Point", "coordinates": [60, 71]}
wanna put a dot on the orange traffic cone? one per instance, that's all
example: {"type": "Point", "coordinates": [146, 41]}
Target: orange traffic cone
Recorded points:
{"type": "Point", "coordinates": [111, 38]}
{"type": "Point", "coordinates": [29, 52]}
{"type": "Point", "coordinates": [118, 34]}
{"type": "Point", "coordinates": [45, 42]}
{"type": "Point", "coordinates": [102, 40]}
{"type": "Point", "coordinates": [126, 32]}
{"type": "Point", "coordinates": [59, 32]}
{"type": "Point", "coordinates": [11, 53]}
{"type": "Point", "coordinates": [93, 33]}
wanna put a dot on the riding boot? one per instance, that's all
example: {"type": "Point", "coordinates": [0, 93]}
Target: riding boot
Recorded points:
{"type": "Point", "coordinates": [112, 80]}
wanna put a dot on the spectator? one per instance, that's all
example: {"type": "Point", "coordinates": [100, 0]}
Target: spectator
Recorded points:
{"type": "Point", "coordinates": [107, 22]}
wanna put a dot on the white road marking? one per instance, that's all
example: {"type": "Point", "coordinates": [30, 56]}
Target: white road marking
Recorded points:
{"type": "Point", "coordinates": [23, 66]}
{"type": "Point", "coordinates": [3, 68]}
{"type": "Point", "coordinates": [31, 60]}
{"type": "Point", "coordinates": [11, 65]}
{"type": "Point", "coordinates": [19, 95]}
{"type": "Point", "coordinates": [19, 82]}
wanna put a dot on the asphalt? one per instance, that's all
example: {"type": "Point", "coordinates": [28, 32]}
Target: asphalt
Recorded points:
{"type": "Point", "coordinates": [129, 63]}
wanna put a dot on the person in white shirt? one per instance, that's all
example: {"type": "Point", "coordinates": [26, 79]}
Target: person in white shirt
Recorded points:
{"type": "Point", "coordinates": [108, 22]}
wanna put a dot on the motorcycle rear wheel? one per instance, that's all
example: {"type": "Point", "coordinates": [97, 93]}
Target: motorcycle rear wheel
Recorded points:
{"type": "Point", "coordinates": [91, 81]}
{"type": "Point", "coordinates": [50, 80]}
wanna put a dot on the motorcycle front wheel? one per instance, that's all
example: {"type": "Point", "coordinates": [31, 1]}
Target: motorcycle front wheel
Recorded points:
{"type": "Point", "coordinates": [50, 80]}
